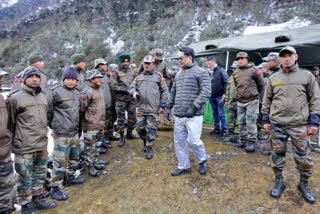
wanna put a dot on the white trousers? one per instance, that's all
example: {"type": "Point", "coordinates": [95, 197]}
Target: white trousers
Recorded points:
{"type": "Point", "coordinates": [188, 131]}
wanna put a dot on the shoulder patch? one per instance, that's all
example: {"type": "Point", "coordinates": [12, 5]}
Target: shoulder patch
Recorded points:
{"type": "Point", "coordinates": [235, 76]}
{"type": "Point", "coordinates": [275, 84]}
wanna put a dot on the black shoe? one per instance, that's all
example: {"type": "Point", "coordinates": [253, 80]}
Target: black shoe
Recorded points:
{"type": "Point", "coordinates": [56, 194]}
{"type": "Point", "coordinates": [122, 140]}
{"type": "Point", "coordinates": [203, 167]}
{"type": "Point", "coordinates": [307, 194]}
{"type": "Point", "coordinates": [92, 171]}
{"type": "Point", "coordinates": [114, 138]}
{"type": "Point", "coordinates": [42, 203]}
{"type": "Point", "coordinates": [249, 147]}
{"type": "Point", "coordinates": [107, 143]}
{"type": "Point", "coordinates": [179, 172]}
{"type": "Point", "coordinates": [228, 136]}
{"type": "Point", "coordinates": [104, 162]}
{"type": "Point", "coordinates": [103, 150]}
{"type": "Point", "coordinates": [223, 133]}
{"type": "Point", "coordinates": [27, 209]}
{"type": "Point", "coordinates": [149, 154]}
{"type": "Point", "coordinates": [215, 132]}
{"type": "Point", "coordinates": [131, 136]}
{"type": "Point", "coordinates": [72, 180]}
{"type": "Point", "coordinates": [99, 166]}
{"type": "Point", "coordinates": [278, 187]}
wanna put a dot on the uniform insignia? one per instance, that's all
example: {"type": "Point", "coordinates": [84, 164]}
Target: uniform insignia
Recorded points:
{"type": "Point", "coordinates": [96, 98]}
{"type": "Point", "coordinates": [27, 105]}
{"type": "Point", "coordinates": [66, 99]}
{"type": "Point", "coordinates": [275, 84]}
{"type": "Point", "coordinates": [83, 97]}
{"type": "Point", "coordinates": [235, 76]}
{"type": "Point", "coordinates": [121, 74]}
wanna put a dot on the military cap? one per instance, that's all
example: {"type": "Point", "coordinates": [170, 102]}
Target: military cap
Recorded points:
{"type": "Point", "coordinates": [92, 74]}
{"type": "Point", "coordinates": [113, 67]}
{"type": "Point", "coordinates": [315, 68]}
{"type": "Point", "coordinates": [287, 49]}
{"type": "Point", "coordinates": [133, 66]}
{"type": "Point", "coordinates": [242, 55]}
{"type": "Point", "coordinates": [100, 61]}
{"type": "Point", "coordinates": [234, 65]}
{"type": "Point", "coordinates": [262, 65]}
{"type": "Point", "coordinates": [35, 57]}
{"type": "Point", "coordinates": [28, 72]}
{"type": "Point", "coordinates": [271, 56]}
{"type": "Point", "coordinates": [2, 73]}
{"type": "Point", "coordinates": [76, 58]}
{"type": "Point", "coordinates": [158, 54]}
{"type": "Point", "coordinates": [123, 57]}
{"type": "Point", "coordinates": [148, 59]}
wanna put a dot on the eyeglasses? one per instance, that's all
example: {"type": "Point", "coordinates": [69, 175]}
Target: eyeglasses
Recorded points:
{"type": "Point", "coordinates": [181, 58]}
{"type": "Point", "coordinates": [147, 63]}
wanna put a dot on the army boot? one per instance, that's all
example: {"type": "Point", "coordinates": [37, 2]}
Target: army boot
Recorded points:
{"type": "Point", "coordinates": [203, 167]}
{"type": "Point", "coordinates": [107, 142]}
{"type": "Point", "coordinates": [250, 146]}
{"type": "Point", "coordinates": [304, 188]}
{"type": "Point", "coordinates": [122, 140]}
{"type": "Point", "coordinates": [103, 150]}
{"type": "Point", "coordinates": [57, 194]}
{"type": "Point", "coordinates": [73, 180]}
{"type": "Point", "coordinates": [92, 171]}
{"type": "Point", "coordinates": [228, 136]}
{"type": "Point", "coordinates": [131, 136]}
{"type": "Point", "coordinates": [278, 187]}
{"type": "Point", "coordinates": [40, 203]}
{"type": "Point", "coordinates": [240, 143]}
{"type": "Point", "coordinates": [99, 166]}
{"type": "Point", "coordinates": [149, 154]}
{"type": "Point", "coordinates": [27, 209]}
{"type": "Point", "coordinates": [144, 145]}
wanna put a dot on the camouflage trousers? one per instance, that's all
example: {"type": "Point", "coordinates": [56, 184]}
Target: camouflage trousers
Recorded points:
{"type": "Point", "coordinates": [232, 117]}
{"type": "Point", "coordinates": [121, 108]}
{"type": "Point", "coordinates": [301, 146]}
{"type": "Point", "coordinates": [7, 181]}
{"type": "Point", "coordinates": [111, 117]}
{"type": "Point", "coordinates": [92, 144]}
{"type": "Point", "coordinates": [247, 118]}
{"type": "Point", "coordinates": [147, 125]}
{"type": "Point", "coordinates": [66, 158]}
{"type": "Point", "coordinates": [32, 171]}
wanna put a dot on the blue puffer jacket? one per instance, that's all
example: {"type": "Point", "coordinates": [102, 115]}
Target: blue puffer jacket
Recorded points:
{"type": "Point", "coordinates": [192, 86]}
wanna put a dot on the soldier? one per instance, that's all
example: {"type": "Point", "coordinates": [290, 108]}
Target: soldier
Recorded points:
{"type": "Point", "coordinates": [93, 113]}
{"type": "Point", "coordinates": [291, 108]}
{"type": "Point", "coordinates": [150, 89]}
{"type": "Point", "coordinates": [249, 84]}
{"type": "Point", "coordinates": [191, 89]}
{"type": "Point", "coordinates": [79, 62]}
{"type": "Point", "coordinates": [160, 65]}
{"type": "Point", "coordinates": [231, 104]}
{"type": "Point", "coordinates": [35, 60]}
{"type": "Point", "coordinates": [63, 119]}
{"type": "Point", "coordinates": [120, 83]}
{"type": "Point", "coordinates": [102, 66]}
{"type": "Point", "coordinates": [135, 68]}
{"type": "Point", "coordinates": [315, 71]}
{"type": "Point", "coordinates": [27, 108]}
{"type": "Point", "coordinates": [7, 179]}
{"type": "Point", "coordinates": [273, 62]}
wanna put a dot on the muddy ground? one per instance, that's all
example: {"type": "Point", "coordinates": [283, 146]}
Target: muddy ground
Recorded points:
{"type": "Point", "coordinates": [236, 182]}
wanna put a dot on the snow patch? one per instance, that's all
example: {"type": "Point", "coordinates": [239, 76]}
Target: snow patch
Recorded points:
{"type": "Point", "coordinates": [291, 24]}
{"type": "Point", "coordinates": [9, 3]}
{"type": "Point", "coordinates": [115, 47]}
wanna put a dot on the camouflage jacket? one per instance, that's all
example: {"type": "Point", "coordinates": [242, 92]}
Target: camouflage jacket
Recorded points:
{"type": "Point", "coordinates": [92, 108]}
{"type": "Point", "coordinates": [231, 94]}
{"type": "Point", "coordinates": [28, 120]}
{"type": "Point", "coordinates": [153, 91]}
{"type": "Point", "coordinates": [63, 110]}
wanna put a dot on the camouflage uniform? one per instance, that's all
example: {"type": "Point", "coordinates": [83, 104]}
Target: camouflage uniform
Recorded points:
{"type": "Point", "coordinates": [63, 118]}
{"type": "Point", "coordinates": [153, 94]}
{"type": "Point", "coordinates": [28, 121]}
{"type": "Point", "coordinates": [7, 180]}
{"type": "Point", "coordinates": [231, 98]}
{"type": "Point", "coordinates": [120, 83]}
{"type": "Point", "coordinates": [92, 109]}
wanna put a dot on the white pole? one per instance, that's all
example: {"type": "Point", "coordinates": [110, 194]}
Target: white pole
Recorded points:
{"type": "Point", "coordinates": [227, 61]}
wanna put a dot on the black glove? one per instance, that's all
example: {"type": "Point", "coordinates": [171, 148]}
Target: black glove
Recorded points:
{"type": "Point", "coordinates": [168, 114]}
{"type": "Point", "coordinates": [191, 111]}
{"type": "Point", "coordinates": [123, 90]}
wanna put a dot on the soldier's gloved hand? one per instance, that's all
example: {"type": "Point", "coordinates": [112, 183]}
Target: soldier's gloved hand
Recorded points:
{"type": "Point", "coordinates": [123, 90]}
{"type": "Point", "coordinates": [136, 95]}
{"type": "Point", "coordinates": [168, 114]}
{"type": "Point", "coordinates": [191, 111]}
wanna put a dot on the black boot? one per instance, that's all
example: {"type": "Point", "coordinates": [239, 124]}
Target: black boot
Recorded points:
{"type": "Point", "coordinates": [27, 209]}
{"type": "Point", "coordinates": [103, 150]}
{"type": "Point", "coordinates": [92, 171]}
{"type": "Point", "coordinates": [56, 194]}
{"type": "Point", "coordinates": [223, 133]}
{"type": "Point", "coordinates": [305, 189]}
{"type": "Point", "coordinates": [144, 145]}
{"type": "Point", "coordinates": [99, 166]}
{"type": "Point", "coordinates": [228, 136]}
{"type": "Point", "coordinates": [122, 140]}
{"type": "Point", "coordinates": [149, 154]}
{"type": "Point", "coordinates": [278, 187]}
{"type": "Point", "coordinates": [250, 147]}
{"type": "Point", "coordinates": [104, 162]}
{"type": "Point", "coordinates": [203, 167]}
{"type": "Point", "coordinates": [215, 132]}
{"type": "Point", "coordinates": [131, 136]}
{"type": "Point", "coordinates": [40, 203]}
{"type": "Point", "coordinates": [72, 180]}
{"type": "Point", "coordinates": [106, 143]}
{"type": "Point", "coordinates": [240, 144]}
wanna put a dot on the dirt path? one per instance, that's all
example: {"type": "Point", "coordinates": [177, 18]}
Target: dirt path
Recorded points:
{"type": "Point", "coordinates": [236, 183]}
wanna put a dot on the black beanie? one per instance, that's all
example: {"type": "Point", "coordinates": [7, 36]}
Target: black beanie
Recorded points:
{"type": "Point", "coordinates": [70, 73]}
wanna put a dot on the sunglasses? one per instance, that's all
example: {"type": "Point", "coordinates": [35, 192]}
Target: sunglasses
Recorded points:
{"type": "Point", "coordinates": [147, 63]}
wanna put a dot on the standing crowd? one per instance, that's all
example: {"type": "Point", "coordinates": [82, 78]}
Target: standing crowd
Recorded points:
{"type": "Point", "coordinates": [277, 99]}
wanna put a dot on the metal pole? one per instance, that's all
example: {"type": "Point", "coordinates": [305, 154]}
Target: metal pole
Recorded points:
{"type": "Point", "coordinates": [227, 61]}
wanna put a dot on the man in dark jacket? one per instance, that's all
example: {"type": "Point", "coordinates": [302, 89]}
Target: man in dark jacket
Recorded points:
{"type": "Point", "coordinates": [249, 83]}
{"type": "Point", "coordinates": [188, 95]}
{"type": "Point", "coordinates": [27, 110]}
{"type": "Point", "coordinates": [219, 82]}
{"type": "Point", "coordinates": [7, 180]}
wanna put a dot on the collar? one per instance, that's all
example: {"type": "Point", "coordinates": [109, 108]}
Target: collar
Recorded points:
{"type": "Point", "coordinates": [29, 90]}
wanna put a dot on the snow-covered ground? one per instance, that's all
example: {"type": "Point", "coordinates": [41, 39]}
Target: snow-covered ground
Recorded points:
{"type": "Point", "coordinates": [9, 3]}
